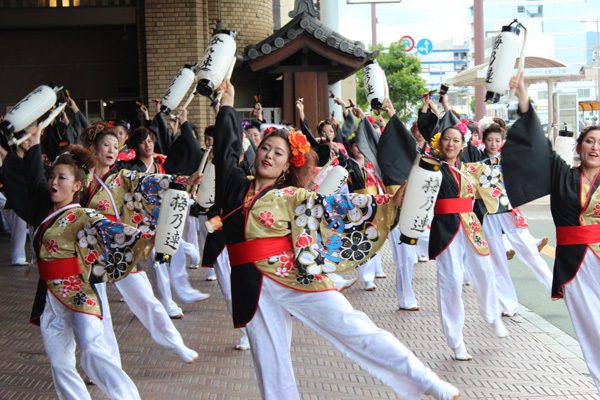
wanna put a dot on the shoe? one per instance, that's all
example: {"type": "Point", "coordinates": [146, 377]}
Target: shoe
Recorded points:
{"type": "Point", "coordinates": [542, 243]}
{"type": "Point", "coordinates": [415, 308]}
{"type": "Point", "coordinates": [194, 266]}
{"type": "Point", "coordinates": [441, 390]}
{"type": "Point", "coordinates": [191, 251]}
{"type": "Point", "coordinates": [348, 283]}
{"type": "Point", "coordinates": [20, 263]}
{"type": "Point", "coordinates": [211, 275]}
{"type": "Point", "coordinates": [423, 259]}
{"type": "Point", "coordinates": [508, 314]}
{"type": "Point", "coordinates": [176, 316]}
{"type": "Point", "coordinates": [460, 353]}
{"type": "Point", "coordinates": [499, 328]}
{"type": "Point", "coordinates": [510, 254]}
{"type": "Point", "coordinates": [370, 286]}
{"type": "Point", "coordinates": [186, 354]}
{"type": "Point", "coordinates": [381, 275]}
{"type": "Point", "coordinates": [244, 344]}
{"type": "Point", "coordinates": [192, 296]}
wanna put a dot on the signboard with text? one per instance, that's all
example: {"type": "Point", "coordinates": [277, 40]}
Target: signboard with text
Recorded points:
{"type": "Point", "coordinates": [371, 1]}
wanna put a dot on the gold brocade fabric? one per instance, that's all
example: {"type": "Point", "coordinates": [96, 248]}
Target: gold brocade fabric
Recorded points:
{"type": "Point", "coordinates": [591, 215]}
{"type": "Point", "coordinates": [107, 249]}
{"type": "Point", "coordinates": [490, 186]}
{"type": "Point", "coordinates": [329, 234]}
{"type": "Point", "coordinates": [470, 188]}
{"type": "Point", "coordinates": [372, 190]}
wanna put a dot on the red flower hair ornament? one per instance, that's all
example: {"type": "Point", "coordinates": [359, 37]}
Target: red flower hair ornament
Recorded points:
{"type": "Point", "coordinates": [299, 146]}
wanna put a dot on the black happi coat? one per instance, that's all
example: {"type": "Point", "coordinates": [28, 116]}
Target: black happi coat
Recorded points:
{"type": "Point", "coordinates": [532, 170]}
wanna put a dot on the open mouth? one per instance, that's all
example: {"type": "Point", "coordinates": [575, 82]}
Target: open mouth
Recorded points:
{"type": "Point", "coordinates": [266, 164]}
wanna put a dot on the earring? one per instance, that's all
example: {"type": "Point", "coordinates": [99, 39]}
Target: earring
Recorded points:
{"type": "Point", "coordinates": [282, 178]}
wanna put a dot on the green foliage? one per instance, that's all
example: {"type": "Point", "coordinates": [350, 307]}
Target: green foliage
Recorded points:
{"type": "Point", "coordinates": [402, 73]}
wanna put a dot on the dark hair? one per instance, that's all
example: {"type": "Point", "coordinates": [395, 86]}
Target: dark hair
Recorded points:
{"type": "Point", "coordinates": [254, 124]}
{"type": "Point", "coordinates": [462, 137]}
{"type": "Point", "coordinates": [473, 127]}
{"type": "Point", "coordinates": [208, 131]}
{"type": "Point", "coordinates": [494, 128]}
{"type": "Point", "coordinates": [93, 134]}
{"type": "Point", "coordinates": [79, 159]}
{"type": "Point", "coordinates": [322, 124]}
{"type": "Point", "coordinates": [585, 131]}
{"type": "Point", "coordinates": [123, 124]}
{"type": "Point", "coordinates": [139, 135]}
{"type": "Point", "coordinates": [300, 177]}
{"type": "Point", "coordinates": [414, 127]}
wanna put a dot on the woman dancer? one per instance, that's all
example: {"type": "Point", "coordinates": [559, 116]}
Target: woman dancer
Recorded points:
{"type": "Point", "coordinates": [296, 236]}
{"type": "Point", "coordinates": [74, 247]}
{"type": "Point", "coordinates": [532, 170]}
{"type": "Point", "coordinates": [115, 194]}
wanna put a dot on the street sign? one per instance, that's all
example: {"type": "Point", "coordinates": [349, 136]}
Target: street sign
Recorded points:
{"type": "Point", "coordinates": [370, 1]}
{"type": "Point", "coordinates": [424, 46]}
{"type": "Point", "coordinates": [409, 42]}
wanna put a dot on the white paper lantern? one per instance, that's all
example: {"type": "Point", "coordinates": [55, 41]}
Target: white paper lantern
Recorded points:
{"type": "Point", "coordinates": [171, 221]}
{"type": "Point", "coordinates": [180, 85]}
{"type": "Point", "coordinates": [375, 84]}
{"type": "Point", "coordinates": [205, 196]}
{"type": "Point", "coordinates": [333, 182]}
{"type": "Point", "coordinates": [217, 62]}
{"type": "Point", "coordinates": [420, 196]}
{"type": "Point", "coordinates": [565, 146]}
{"type": "Point", "coordinates": [505, 50]}
{"type": "Point", "coordinates": [28, 110]}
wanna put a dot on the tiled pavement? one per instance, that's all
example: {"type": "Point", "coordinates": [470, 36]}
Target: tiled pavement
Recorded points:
{"type": "Point", "coordinates": [535, 362]}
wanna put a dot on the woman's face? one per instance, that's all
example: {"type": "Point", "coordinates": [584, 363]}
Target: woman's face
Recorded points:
{"type": "Point", "coordinates": [493, 143]}
{"type": "Point", "coordinates": [589, 150]}
{"type": "Point", "coordinates": [121, 135]}
{"type": "Point", "coordinates": [327, 132]}
{"type": "Point", "coordinates": [107, 150]}
{"type": "Point", "coordinates": [254, 135]}
{"type": "Point", "coordinates": [418, 136]}
{"type": "Point", "coordinates": [355, 151]}
{"type": "Point", "coordinates": [272, 158]}
{"type": "Point", "coordinates": [63, 186]}
{"type": "Point", "coordinates": [451, 144]}
{"type": "Point", "coordinates": [146, 148]}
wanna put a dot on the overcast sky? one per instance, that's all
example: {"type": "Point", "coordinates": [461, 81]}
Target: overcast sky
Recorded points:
{"type": "Point", "coordinates": [436, 20]}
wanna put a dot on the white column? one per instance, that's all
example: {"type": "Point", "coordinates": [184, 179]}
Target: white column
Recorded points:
{"type": "Point", "coordinates": [330, 17]}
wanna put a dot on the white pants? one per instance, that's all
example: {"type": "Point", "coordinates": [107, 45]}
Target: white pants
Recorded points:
{"type": "Point", "coordinates": [450, 281]}
{"type": "Point", "coordinates": [137, 292]}
{"type": "Point", "coordinates": [582, 296]}
{"type": "Point", "coordinates": [178, 275]}
{"type": "Point", "coordinates": [422, 246]}
{"type": "Point", "coordinates": [163, 284]}
{"type": "Point", "coordinates": [333, 317]}
{"type": "Point", "coordinates": [18, 237]}
{"type": "Point", "coordinates": [405, 257]}
{"type": "Point", "coordinates": [61, 329]}
{"type": "Point", "coordinates": [368, 270]}
{"type": "Point", "coordinates": [107, 324]}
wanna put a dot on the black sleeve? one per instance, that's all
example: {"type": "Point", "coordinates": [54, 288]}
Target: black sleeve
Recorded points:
{"type": "Point", "coordinates": [308, 133]}
{"type": "Point", "coordinates": [529, 162]}
{"type": "Point", "coordinates": [347, 127]}
{"type": "Point", "coordinates": [471, 153]}
{"type": "Point", "coordinates": [396, 152]}
{"type": "Point", "coordinates": [448, 120]}
{"type": "Point", "coordinates": [227, 150]}
{"type": "Point", "coordinates": [185, 154]}
{"type": "Point", "coordinates": [164, 139]}
{"type": "Point", "coordinates": [427, 123]}
{"type": "Point", "coordinates": [367, 141]}
{"type": "Point", "coordinates": [322, 149]}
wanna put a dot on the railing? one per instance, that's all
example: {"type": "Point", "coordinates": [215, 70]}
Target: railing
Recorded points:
{"type": "Point", "coordinates": [64, 3]}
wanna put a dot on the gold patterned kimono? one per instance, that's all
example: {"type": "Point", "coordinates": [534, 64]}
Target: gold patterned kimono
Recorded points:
{"type": "Point", "coordinates": [105, 251]}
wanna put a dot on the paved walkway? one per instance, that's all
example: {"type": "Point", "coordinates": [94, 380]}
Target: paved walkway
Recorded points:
{"type": "Point", "coordinates": [536, 362]}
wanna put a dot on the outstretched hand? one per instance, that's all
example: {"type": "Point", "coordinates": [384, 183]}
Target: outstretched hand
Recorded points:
{"type": "Point", "coordinates": [195, 178]}
{"type": "Point", "coordinates": [228, 96]}
{"type": "Point", "coordinates": [517, 83]}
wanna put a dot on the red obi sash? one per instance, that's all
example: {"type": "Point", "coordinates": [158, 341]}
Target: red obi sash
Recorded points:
{"type": "Point", "coordinates": [257, 249]}
{"type": "Point", "coordinates": [453, 206]}
{"type": "Point", "coordinates": [580, 234]}
{"type": "Point", "coordinates": [58, 269]}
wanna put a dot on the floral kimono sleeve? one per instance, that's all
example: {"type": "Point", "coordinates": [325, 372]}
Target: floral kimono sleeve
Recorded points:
{"type": "Point", "coordinates": [142, 195]}
{"type": "Point", "coordinates": [489, 186]}
{"type": "Point", "coordinates": [110, 250]}
{"type": "Point", "coordinates": [339, 232]}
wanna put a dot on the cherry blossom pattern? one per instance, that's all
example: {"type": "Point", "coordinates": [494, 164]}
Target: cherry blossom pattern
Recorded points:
{"type": "Point", "coordinates": [103, 205]}
{"type": "Point", "coordinates": [286, 261]}
{"type": "Point", "coordinates": [117, 263]}
{"type": "Point", "coordinates": [597, 210]}
{"type": "Point", "coordinates": [51, 246]}
{"type": "Point", "coordinates": [309, 214]}
{"type": "Point", "coordinates": [115, 183]}
{"type": "Point", "coordinates": [67, 219]}
{"type": "Point", "coordinates": [80, 298]}
{"type": "Point", "coordinates": [133, 201]}
{"type": "Point", "coordinates": [356, 247]}
{"type": "Point", "coordinates": [490, 177]}
{"type": "Point", "coordinates": [72, 283]}
{"type": "Point", "coordinates": [266, 218]}
{"type": "Point", "coordinates": [315, 261]}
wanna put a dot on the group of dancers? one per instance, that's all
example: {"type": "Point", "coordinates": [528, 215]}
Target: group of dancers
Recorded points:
{"type": "Point", "coordinates": [279, 248]}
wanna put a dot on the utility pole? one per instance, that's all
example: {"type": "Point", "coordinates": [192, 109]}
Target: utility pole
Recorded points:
{"type": "Point", "coordinates": [479, 55]}
{"type": "Point", "coordinates": [374, 25]}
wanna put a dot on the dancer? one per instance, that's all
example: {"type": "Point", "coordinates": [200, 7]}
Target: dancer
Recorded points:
{"type": "Point", "coordinates": [296, 236]}
{"type": "Point", "coordinates": [532, 170]}
{"type": "Point", "coordinates": [74, 246]}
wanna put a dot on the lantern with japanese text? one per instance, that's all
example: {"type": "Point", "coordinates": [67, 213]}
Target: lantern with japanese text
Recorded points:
{"type": "Point", "coordinates": [334, 180]}
{"type": "Point", "coordinates": [505, 50]}
{"type": "Point", "coordinates": [171, 221]}
{"type": "Point", "coordinates": [217, 62]}
{"type": "Point", "coordinates": [29, 109]}
{"type": "Point", "coordinates": [420, 196]}
{"type": "Point", "coordinates": [375, 84]}
{"type": "Point", "coordinates": [205, 196]}
{"type": "Point", "coordinates": [180, 85]}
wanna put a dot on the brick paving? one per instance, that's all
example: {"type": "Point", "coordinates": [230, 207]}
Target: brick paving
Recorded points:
{"type": "Point", "coordinates": [527, 365]}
